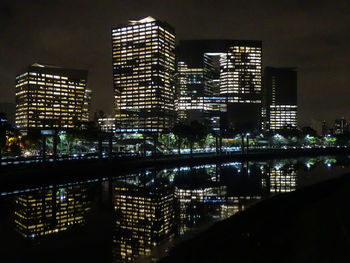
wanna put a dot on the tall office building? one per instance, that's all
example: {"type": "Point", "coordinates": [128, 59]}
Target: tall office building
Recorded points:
{"type": "Point", "coordinates": [143, 71]}
{"type": "Point", "coordinates": [49, 211]}
{"type": "Point", "coordinates": [51, 97]}
{"type": "Point", "coordinates": [324, 128]}
{"type": "Point", "coordinates": [190, 92]}
{"type": "Point", "coordinates": [280, 98]}
{"type": "Point", "coordinates": [229, 90]}
{"type": "Point", "coordinates": [144, 217]}
{"type": "Point", "coordinates": [341, 126]}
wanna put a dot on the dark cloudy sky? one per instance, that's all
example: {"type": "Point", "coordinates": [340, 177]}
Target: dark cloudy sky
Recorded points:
{"type": "Point", "coordinates": [314, 36]}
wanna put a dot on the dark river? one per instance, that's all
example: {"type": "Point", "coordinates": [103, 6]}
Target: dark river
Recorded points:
{"type": "Point", "coordinates": [138, 217]}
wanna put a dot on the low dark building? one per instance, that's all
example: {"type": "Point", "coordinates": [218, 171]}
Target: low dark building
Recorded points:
{"type": "Point", "coordinates": [9, 109]}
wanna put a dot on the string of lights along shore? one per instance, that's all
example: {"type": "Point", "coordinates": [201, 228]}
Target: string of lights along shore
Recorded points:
{"type": "Point", "coordinates": [157, 84]}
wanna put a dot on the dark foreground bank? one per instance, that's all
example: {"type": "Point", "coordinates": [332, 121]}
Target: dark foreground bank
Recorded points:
{"type": "Point", "coordinates": [309, 225]}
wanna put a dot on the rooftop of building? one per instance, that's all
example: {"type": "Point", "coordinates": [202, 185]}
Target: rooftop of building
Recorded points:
{"type": "Point", "coordinates": [53, 69]}
{"type": "Point", "coordinates": [192, 50]}
{"type": "Point", "coordinates": [145, 20]}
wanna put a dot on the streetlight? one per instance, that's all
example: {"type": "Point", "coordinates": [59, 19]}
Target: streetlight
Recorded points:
{"type": "Point", "coordinates": [247, 135]}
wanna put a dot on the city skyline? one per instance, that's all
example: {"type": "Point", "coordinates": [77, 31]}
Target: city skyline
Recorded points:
{"type": "Point", "coordinates": [174, 131]}
{"type": "Point", "coordinates": [321, 69]}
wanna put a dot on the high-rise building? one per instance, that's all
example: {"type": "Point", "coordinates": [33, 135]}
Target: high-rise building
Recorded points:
{"type": "Point", "coordinates": [341, 126]}
{"type": "Point", "coordinates": [144, 217]}
{"type": "Point", "coordinates": [280, 98]}
{"type": "Point", "coordinates": [190, 92]}
{"type": "Point", "coordinates": [51, 97]}
{"type": "Point", "coordinates": [227, 72]}
{"type": "Point", "coordinates": [324, 128]}
{"type": "Point", "coordinates": [143, 71]}
{"type": "Point", "coordinates": [49, 211]}
{"type": "Point", "coordinates": [106, 124]}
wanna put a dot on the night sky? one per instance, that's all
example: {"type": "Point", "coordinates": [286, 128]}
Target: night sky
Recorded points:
{"type": "Point", "coordinates": [315, 38]}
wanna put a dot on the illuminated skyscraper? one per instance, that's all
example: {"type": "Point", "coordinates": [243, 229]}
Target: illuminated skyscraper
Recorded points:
{"type": "Point", "coordinates": [341, 126]}
{"type": "Point", "coordinates": [190, 92]}
{"type": "Point", "coordinates": [49, 96]}
{"type": "Point", "coordinates": [143, 71]}
{"type": "Point", "coordinates": [280, 98]}
{"type": "Point", "coordinates": [229, 73]}
{"type": "Point", "coordinates": [144, 218]}
{"type": "Point", "coordinates": [50, 211]}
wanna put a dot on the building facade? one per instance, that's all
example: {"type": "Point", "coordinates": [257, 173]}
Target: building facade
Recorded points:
{"type": "Point", "coordinates": [227, 72]}
{"type": "Point", "coordinates": [106, 124]}
{"type": "Point", "coordinates": [143, 72]}
{"type": "Point", "coordinates": [51, 97]}
{"type": "Point", "coordinates": [341, 126]}
{"type": "Point", "coordinates": [280, 98]}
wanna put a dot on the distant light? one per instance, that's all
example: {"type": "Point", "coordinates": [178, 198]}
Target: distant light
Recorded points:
{"type": "Point", "coordinates": [329, 165]}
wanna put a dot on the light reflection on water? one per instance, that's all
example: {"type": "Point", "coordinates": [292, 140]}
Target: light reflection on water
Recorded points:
{"type": "Point", "coordinates": [140, 215]}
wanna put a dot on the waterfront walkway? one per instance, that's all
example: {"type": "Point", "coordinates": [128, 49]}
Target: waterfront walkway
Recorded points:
{"type": "Point", "coordinates": [82, 169]}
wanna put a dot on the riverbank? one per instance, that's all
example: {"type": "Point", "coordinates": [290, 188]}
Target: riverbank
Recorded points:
{"type": "Point", "coordinates": [309, 225]}
{"type": "Point", "coordinates": [66, 171]}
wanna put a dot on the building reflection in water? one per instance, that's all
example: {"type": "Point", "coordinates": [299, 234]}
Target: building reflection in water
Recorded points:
{"type": "Point", "coordinates": [280, 177]}
{"type": "Point", "coordinates": [205, 193]}
{"type": "Point", "coordinates": [48, 211]}
{"type": "Point", "coordinates": [283, 180]}
{"type": "Point", "coordinates": [193, 185]}
{"type": "Point", "coordinates": [144, 217]}
{"type": "Point", "coordinates": [243, 182]}
{"type": "Point", "coordinates": [152, 206]}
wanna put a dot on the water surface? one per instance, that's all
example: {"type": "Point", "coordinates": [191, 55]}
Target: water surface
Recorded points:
{"type": "Point", "coordinates": [137, 217]}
